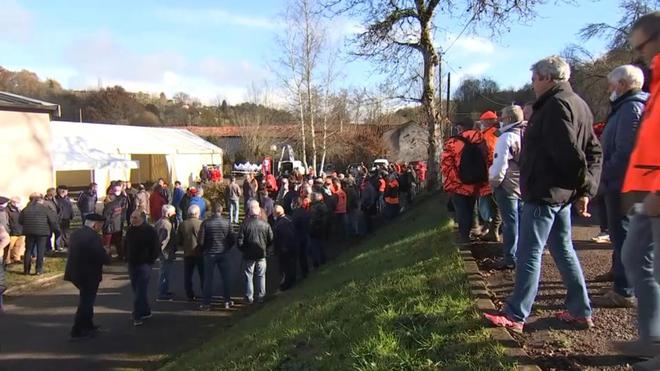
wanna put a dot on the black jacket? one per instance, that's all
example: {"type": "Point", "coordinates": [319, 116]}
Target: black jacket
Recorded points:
{"type": "Point", "coordinates": [15, 227]}
{"type": "Point", "coordinates": [318, 223]}
{"type": "Point", "coordinates": [65, 208]}
{"type": "Point", "coordinates": [254, 237]}
{"type": "Point", "coordinates": [142, 244]}
{"type": "Point", "coordinates": [285, 237]}
{"type": "Point", "coordinates": [215, 235]}
{"type": "Point", "coordinates": [38, 220]}
{"type": "Point", "coordinates": [87, 202]}
{"type": "Point", "coordinates": [84, 267]}
{"type": "Point", "coordinates": [561, 156]}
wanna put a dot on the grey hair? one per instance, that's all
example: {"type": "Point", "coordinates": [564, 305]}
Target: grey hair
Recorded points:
{"type": "Point", "coordinates": [513, 111]}
{"type": "Point", "coordinates": [194, 211]}
{"type": "Point", "coordinates": [167, 210]}
{"type": "Point", "coordinates": [554, 67]}
{"type": "Point", "coordinates": [628, 73]}
{"type": "Point", "coordinates": [254, 208]}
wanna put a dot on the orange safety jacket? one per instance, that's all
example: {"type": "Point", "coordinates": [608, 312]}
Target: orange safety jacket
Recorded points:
{"type": "Point", "coordinates": [643, 174]}
{"type": "Point", "coordinates": [392, 192]}
{"type": "Point", "coordinates": [490, 136]}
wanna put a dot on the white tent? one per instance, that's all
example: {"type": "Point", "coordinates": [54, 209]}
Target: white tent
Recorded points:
{"type": "Point", "coordinates": [111, 151]}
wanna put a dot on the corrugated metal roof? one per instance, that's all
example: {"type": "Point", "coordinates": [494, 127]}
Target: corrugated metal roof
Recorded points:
{"type": "Point", "coordinates": [12, 101]}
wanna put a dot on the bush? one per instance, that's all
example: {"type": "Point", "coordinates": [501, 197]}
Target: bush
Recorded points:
{"type": "Point", "coordinates": [215, 192]}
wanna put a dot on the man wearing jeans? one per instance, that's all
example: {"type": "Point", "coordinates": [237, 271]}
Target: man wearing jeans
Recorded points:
{"type": "Point", "coordinates": [167, 241]}
{"type": "Point", "coordinates": [504, 178]}
{"type": "Point", "coordinates": [215, 239]}
{"type": "Point", "coordinates": [559, 163]}
{"type": "Point", "coordinates": [254, 237]}
{"type": "Point", "coordinates": [38, 222]}
{"type": "Point", "coordinates": [233, 198]}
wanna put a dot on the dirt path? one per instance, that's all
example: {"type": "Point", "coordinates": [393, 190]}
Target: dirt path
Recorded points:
{"type": "Point", "coordinates": [552, 345]}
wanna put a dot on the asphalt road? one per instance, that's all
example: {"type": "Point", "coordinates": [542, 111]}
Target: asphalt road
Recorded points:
{"type": "Point", "coordinates": [34, 328]}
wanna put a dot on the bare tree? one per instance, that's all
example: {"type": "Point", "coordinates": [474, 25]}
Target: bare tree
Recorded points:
{"type": "Point", "coordinates": [398, 36]}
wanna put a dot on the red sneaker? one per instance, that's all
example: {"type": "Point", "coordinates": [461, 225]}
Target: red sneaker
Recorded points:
{"type": "Point", "coordinates": [580, 322]}
{"type": "Point", "coordinates": [502, 320]}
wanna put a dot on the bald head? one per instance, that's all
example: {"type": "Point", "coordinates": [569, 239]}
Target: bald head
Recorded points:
{"type": "Point", "coordinates": [279, 210]}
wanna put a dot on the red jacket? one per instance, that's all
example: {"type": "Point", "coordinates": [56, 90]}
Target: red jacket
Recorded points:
{"type": "Point", "coordinates": [156, 202]}
{"type": "Point", "coordinates": [449, 162]}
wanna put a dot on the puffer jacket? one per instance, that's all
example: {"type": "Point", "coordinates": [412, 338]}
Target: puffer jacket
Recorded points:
{"type": "Point", "coordinates": [449, 164]}
{"type": "Point", "coordinates": [618, 139]}
{"type": "Point", "coordinates": [38, 220]}
{"type": "Point", "coordinates": [215, 235]}
{"type": "Point", "coordinates": [254, 238]}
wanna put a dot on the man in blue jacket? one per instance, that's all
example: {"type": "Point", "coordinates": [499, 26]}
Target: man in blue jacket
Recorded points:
{"type": "Point", "coordinates": [618, 140]}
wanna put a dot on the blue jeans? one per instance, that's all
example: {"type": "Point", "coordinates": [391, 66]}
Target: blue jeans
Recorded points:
{"type": "Point", "coordinates": [254, 268]}
{"type": "Point", "coordinates": [222, 262]}
{"type": "Point", "coordinates": [234, 210]}
{"type": "Point", "coordinates": [617, 224]}
{"type": "Point", "coordinates": [637, 258]}
{"type": "Point", "coordinates": [164, 279]}
{"type": "Point", "coordinates": [510, 206]}
{"type": "Point", "coordinates": [464, 209]}
{"type": "Point", "coordinates": [35, 246]}
{"type": "Point", "coordinates": [140, 274]}
{"type": "Point", "coordinates": [540, 223]}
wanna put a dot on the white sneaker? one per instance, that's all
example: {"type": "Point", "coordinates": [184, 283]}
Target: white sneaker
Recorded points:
{"type": "Point", "coordinates": [602, 237]}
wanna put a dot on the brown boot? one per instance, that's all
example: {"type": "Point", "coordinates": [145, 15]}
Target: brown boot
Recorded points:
{"type": "Point", "coordinates": [493, 234]}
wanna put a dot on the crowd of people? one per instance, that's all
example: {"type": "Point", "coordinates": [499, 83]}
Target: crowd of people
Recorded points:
{"type": "Point", "coordinates": [296, 218]}
{"type": "Point", "coordinates": [522, 171]}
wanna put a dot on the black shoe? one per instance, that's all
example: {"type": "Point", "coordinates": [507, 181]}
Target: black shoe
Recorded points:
{"type": "Point", "coordinates": [500, 265]}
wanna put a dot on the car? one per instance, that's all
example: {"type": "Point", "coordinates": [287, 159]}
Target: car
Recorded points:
{"type": "Point", "coordinates": [381, 163]}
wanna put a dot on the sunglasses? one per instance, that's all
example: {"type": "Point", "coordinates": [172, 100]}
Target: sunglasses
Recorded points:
{"type": "Point", "coordinates": [641, 46]}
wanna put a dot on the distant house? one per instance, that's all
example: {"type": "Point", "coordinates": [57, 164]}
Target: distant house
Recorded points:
{"type": "Point", "coordinates": [407, 142]}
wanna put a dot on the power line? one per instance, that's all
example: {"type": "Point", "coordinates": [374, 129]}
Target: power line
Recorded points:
{"type": "Point", "coordinates": [461, 33]}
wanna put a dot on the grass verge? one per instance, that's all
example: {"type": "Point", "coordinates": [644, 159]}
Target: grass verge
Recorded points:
{"type": "Point", "coordinates": [398, 301]}
{"type": "Point", "coordinates": [52, 265]}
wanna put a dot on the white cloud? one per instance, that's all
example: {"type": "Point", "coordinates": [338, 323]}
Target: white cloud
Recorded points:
{"type": "Point", "coordinates": [214, 17]}
{"type": "Point", "coordinates": [16, 23]}
{"type": "Point", "coordinates": [469, 44]}
{"type": "Point", "coordinates": [105, 60]}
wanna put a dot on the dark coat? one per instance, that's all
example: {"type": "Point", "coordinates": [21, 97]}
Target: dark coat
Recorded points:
{"type": "Point", "coordinates": [65, 208]}
{"type": "Point", "coordinates": [87, 202]}
{"type": "Point", "coordinates": [561, 157]}
{"type": "Point", "coordinates": [285, 237]}
{"type": "Point", "coordinates": [38, 220]}
{"type": "Point", "coordinates": [215, 235]}
{"type": "Point", "coordinates": [142, 244]}
{"type": "Point", "coordinates": [15, 227]}
{"type": "Point", "coordinates": [618, 138]}
{"type": "Point", "coordinates": [319, 217]}
{"type": "Point", "coordinates": [84, 267]}
{"type": "Point", "coordinates": [113, 212]}
{"type": "Point", "coordinates": [254, 238]}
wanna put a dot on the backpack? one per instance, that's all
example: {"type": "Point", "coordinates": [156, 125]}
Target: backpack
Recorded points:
{"type": "Point", "coordinates": [473, 168]}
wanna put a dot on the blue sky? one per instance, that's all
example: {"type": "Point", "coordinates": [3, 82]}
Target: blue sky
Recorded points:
{"type": "Point", "coordinates": [214, 49]}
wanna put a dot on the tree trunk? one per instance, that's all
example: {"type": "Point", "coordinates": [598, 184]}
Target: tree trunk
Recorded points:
{"type": "Point", "coordinates": [429, 106]}
{"type": "Point", "coordinates": [302, 128]}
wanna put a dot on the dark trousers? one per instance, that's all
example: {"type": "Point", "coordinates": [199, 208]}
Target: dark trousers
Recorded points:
{"type": "Point", "coordinates": [84, 322]}
{"type": "Point", "coordinates": [603, 213]}
{"type": "Point", "coordinates": [303, 253]}
{"type": "Point", "coordinates": [189, 265]}
{"type": "Point", "coordinates": [211, 261]}
{"type": "Point", "coordinates": [62, 236]}
{"type": "Point", "coordinates": [618, 228]}
{"type": "Point", "coordinates": [288, 268]}
{"type": "Point", "coordinates": [35, 246]}
{"type": "Point", "coordinates": [140, 274]}
{"type": "Point", "coordinates": [464, 207]}
{"type": "Point", "coordinates": [318, 251]}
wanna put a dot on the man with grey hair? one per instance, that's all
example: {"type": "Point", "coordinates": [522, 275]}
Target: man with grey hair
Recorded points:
{"type": "Point", "coordinates": [84, 268]}
{"type": "Point", "coordinates": [186, 239]}
{"type": "Point", "coordinates": [254, 238]}
{"type": "Point", "coordinates": [560, 164]}
{"type": "Point", "coordinates": [167, 250]}
{"type": "Point", "coordinates": [618, 140]}
{"type": "Point", "coordinates": [504, 178]}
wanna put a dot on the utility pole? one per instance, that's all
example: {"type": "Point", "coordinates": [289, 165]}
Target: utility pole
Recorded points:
{"type": "Point", "coordinates": [440, 83]}
{"type": "Point", "coordinates": [80, 114]}
{"type": "Point", "coordinates": [448, 92]}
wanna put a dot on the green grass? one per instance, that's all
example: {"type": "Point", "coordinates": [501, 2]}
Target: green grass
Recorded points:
{"type": "Point", "coordinates": [399, 301]}
{"type": "Point", "coordinates": [52, 266]}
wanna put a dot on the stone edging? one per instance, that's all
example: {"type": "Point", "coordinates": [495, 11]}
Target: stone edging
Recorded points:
{"type": "Point", "coordinates": [483, 303]}
{"type": "Point", "coordinates": [38, 283]}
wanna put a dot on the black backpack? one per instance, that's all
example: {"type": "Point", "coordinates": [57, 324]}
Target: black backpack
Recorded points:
{"type": "Point", "coordinates": [473, 168]}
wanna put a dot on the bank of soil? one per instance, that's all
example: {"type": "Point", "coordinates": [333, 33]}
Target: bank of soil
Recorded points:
{"type": "Point", "coordinates": [551, 344]}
